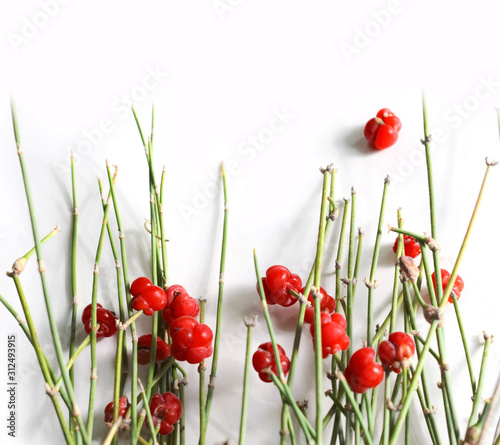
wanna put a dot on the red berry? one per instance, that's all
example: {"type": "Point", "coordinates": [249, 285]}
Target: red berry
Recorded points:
{"type": "Point", "coordinates": [389, 118]}
{"type": "Point", "coordinates": [144, 349]}
{"type": "Point", "coordinates": [382, 131]}
{"type": "Point", "coordinates": [191, 341]}
{"type": "Point", "coordinates": [412, 247]}
{"type": "Point", "coordinates": [166, 409]}
{"type": "Point", "coordinates": [180, 304]}
{"type": "Point", "coordinates": [327, 304]}
{"type": "Point", "coordinates": [123, 406]}
{"type": "Point", "coordinates": [263, 359]}
{"type": "Point", "coordinates": [151, 299]}
{"type": "Point", "coordinates": [397, 352]}
{"type": "Point", "coordinates": [105, 319]}
{"type": "Point", "coordinates": [278, 283]}
{"type": "Point", "coordinates": [138, 285]}
{"type": "Point", "coordinates": [362, 372]}
{"type": "Point", "coordinates": [333, 336]}
{"type": "Point", "coordinates": [458, 286]}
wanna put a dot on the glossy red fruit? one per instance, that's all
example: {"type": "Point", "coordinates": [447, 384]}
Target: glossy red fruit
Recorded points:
{"type": "Point", "coordinates": [105, 318]}
{"type": "Point", "coordinates": [144, 349]}
{"type": "Point", "coordinates": [389, 118]}
{"type": "Point", "coordinates": [191, 341]}
{"type": "Point", "coordinates": [151, 299]}
{"type": "Point", "coordinates": [166, 410]}
{"type": "Point", "coordinates": [263, 359]}
{"type": "Point", "coordinates": [138, 285]}
{"type": "Point", "coordinates": [396, 352]}
{"type": "Point", "coordinates": [382, 130]}
{"type": "Point", "coordinates": [180, 304]}
{"type": "Point", "coordinates": [327, 304]}
{"type": "Point", "coordinates": [363, 372]}
{"type": "Point", "coordinates": [458, 286]}
{"type": "Point", "coordinates": [123, 406]}
{"type": "Point", "coordinates": [333, 335]}
{"type": "Point", "coordinates": [278, 283]}
{"type": "Point", "coordinates": [412, 247]}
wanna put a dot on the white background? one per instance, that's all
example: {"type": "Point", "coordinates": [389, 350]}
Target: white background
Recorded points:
{"type": "Point", "coordinates": [224, 69]}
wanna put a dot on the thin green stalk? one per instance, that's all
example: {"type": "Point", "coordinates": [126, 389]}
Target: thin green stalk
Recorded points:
{"type": "Point", "coordinates": [220, 299]}
{"type": "Point", "coordinates": [126, 281]}
{"type": "Point", "coordinates": [338, 262]}
{"type": "Point", "coordinates": [465, 344]}
{"type": "Point", "coordinates": [72, 360]}
{"type": "Point", "coordinates": [350, 274]}
{"type": "Point", "coordinates": [94, 327]}
{"type": "Point", "coordinates": [359, 415]}
{"type": "Point", "coordinates": [287, 396]}
{"type": "Point", "coordinates": [201, 387]}
{"type": "Point", "coordinates": [387, 413]}
{"type": "Point", "coordinates": [148, 412]}
{"type": "Point", "coordinates": [42, 270]}
{"type": "Point", "coordinates": [250, 324]}
{"type": "Point", "coordinates": [482, 374]}
{"type": "Point", "coordinates": [376, 251]}
{"type": "Point", "coordinates": [164, 257]}
{"type": "Point", "coordinates": [395, 290]}
{"type": "Point", "coordinates": [74, 287]}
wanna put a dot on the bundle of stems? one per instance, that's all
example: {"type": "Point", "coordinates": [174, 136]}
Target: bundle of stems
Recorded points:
{"type": "Point", "coordinates": [340, 415]}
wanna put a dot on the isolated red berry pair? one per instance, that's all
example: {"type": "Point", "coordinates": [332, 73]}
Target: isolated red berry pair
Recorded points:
{"type": "Point", "coordinates": [382, 131]}
{"type": "Point", "coordinates": [166, 410]}
{"type": "Point", "coordinates": [396, 352]}
{"type": "Point", "coordinates": [363, 372]}
{"type": "Point", "coordinates": [333, 335]}
{"type": "Point", "coordinates": [144, 349]}
{"type": "Point", "coordinates": [278, 283]}
{"type": "Point", "coordinates": [147, 297]}
{"type": "Point", "coordinates": [327, 305]}
{"type": "Point", "coordinates": [458, 286]}
{"type": "Point", "coordinates": [180, 304]}
{"type": "Point", "coordinates": [411, 247]}
{"type": "Point", "coordinates": [263, 359]}
{"type": "Point", "coordinates": [106, 320]}
{"type": "Point", "coordinates": [191, 341]}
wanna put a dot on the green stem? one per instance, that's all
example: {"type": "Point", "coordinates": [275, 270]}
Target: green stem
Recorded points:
{"type": "Point", "coordinates": [220, 298]}
{"type": "Point", "coordinates": [42, 270]}
{"type": "Point", "coordinates": [126, 281]}
{"type": "Point", "coordinates": [350, 274]}
{"type": "Point", "coordinates": [72, 360]}
{"type": "Point", "coordinates": [338, 262]}
{"type": "Point", "coordinates": [148, 412]}
{"type": "Point", "coordinates": [482, 374]}
{"type": "Point", "coordinates": [376, 252]}
{"type": "Point", "coordinates": [246, 380]}
{"type": "Point", "coordinates": [395, 290]}
{"type": "Point", "coordinates": [201, 386]}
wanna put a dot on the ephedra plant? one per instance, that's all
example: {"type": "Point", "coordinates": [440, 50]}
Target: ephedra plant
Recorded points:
{"type": "Point", "coordinates": [351, 385]}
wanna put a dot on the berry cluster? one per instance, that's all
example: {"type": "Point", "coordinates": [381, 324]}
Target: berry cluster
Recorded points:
{"type": "Point", "coordinates": [147, 297]}
{"type": "Point", "coordinates": [191, 341]}
{"type": "Point", "coordinates": [333, 336]}
{"type": "Point", "coordinates": [144, 349]}
{"type": "Point", "coordinates": [180, 304]}
{"type": "Point", "coordinates": [382, 131]}
{"type": "Point", "coordinates": [458, 286]}
{"type": "Point", "coordinates": [263, 360]}
{"type": "Point", "coordinates": [166, 409]}
{"type": "Point", "coordinates": [106, 320]}
{"type": "Point", "coordinates": [396, 352]}
{"type": "Point", "coordinates": [278, 283]}
{"type": "Point", "coordinates": [363, 372]}
{"type": "Point", "coordinates": [327, 305]}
